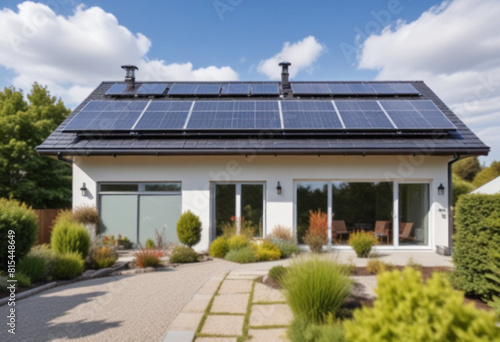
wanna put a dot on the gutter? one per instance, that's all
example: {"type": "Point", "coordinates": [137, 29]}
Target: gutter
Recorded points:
{"type": "Point", "coordinates": [451, 213]}
{"type": "Point", "coordinates": [66, 160]}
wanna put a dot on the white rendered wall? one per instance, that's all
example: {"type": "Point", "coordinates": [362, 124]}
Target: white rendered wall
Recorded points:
{"type": "Point", "coordinates": [198, 172]}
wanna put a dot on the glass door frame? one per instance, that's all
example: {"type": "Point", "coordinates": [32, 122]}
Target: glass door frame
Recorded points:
{"type": "Point", "coordinates": [238, 208]}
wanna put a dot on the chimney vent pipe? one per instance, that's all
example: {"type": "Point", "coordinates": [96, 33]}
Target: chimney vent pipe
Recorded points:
{"type": "Point", "coordinates": [130, 73]}
{"type": "Point", "coordinates": [285, 83]}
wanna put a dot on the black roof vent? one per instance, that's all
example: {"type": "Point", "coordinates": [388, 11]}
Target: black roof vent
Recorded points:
{"type": "Point", "coordinates": [129, 73]}
{"type": "Point", "coordinates": [285, 83]}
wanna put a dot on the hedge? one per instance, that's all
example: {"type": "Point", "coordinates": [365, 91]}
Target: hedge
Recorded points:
{"type": "Point", "coordinates": [477, 222]}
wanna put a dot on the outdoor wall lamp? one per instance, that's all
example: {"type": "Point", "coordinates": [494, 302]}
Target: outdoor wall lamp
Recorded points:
{"type": "Point", "coordinates": [278, 189]}
{"type": "Point", "coordinates": [441, 189]}
{"type": "Point", "coordinates": [83, 189]}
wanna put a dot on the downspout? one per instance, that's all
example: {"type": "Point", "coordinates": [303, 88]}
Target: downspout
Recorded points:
{"type": "Point", "coordinates": [66, 160]}
{"type": "Point", "coordinates": [450, 201]}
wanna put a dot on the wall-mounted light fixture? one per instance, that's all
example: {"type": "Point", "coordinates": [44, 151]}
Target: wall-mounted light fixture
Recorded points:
{"type": "Point", "coordinates": [83, 189]}
{"type": "Point", "coordinates": [441, 189]}
{"type": "Point", "coordinates": [278, 189]}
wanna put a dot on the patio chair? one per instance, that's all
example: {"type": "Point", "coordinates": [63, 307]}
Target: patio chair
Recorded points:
{"type": "Point", "coordinates": [339, 229]}
{"type": "Point", "coordinates": [406, 229]}
{"type": "Point", "coordinates": [382, 230]}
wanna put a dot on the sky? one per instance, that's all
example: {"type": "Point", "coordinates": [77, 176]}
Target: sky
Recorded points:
{"type": "Point", "coordinates": [71, 46]}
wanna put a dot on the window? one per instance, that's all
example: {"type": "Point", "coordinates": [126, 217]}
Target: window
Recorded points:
{"type": "Point", "coordinates": [413, 214]}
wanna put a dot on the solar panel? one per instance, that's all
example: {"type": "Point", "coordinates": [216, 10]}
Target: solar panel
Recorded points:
{"type": "Point", "coordinates": [339, 88]}
{"type": "Point", "coordinates": [310, 115]}
{"type": "Point", "coordinates": [414, 114]}
{"type": "Point", "coordinates": [236, 88]}
{"type": "Point", "coordinates": [208, 89]}
{"type": "Point", "coordinates": [265, 89]}
{"type": "Point", "coordinates": [183, 89]}
{"type": "Point", "coordinates": [234, 115]}
{"type": "Point", "coordinates": [360, 89]}
{"type": "Point", "coordinates": [152, 89]}
{"type": "Point", "coordinates": [106, 116]}
{"type": "Point", "coordinates": [311, 88]}
{"type": "Point", "coordinates": [404, 88]}
{"type": "Point", "coordinates": [362, 115]}
{"type": "Point", "coordinates": [164, 115]}
{"type": "Point", "coordinates": [382, 88]}
{"type": "Point", "coordinates": [121, 89]}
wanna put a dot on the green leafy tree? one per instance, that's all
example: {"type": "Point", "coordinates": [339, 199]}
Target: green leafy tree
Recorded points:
{"type": "Point", "coordinates": [488, 174]}
{"type": "Point", "coordinates": [460, 187]}
{"type": "Point", "coordinates": [467, 168]}
{"type": "Point", "coordinates": [40, 182]}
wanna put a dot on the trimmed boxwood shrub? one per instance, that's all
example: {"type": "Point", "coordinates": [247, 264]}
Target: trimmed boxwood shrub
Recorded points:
{"type": "Point", "coordinates": [70, 236]}
{"type": "Point", "coordinates": [477, 221]}
{"type": "Point", "coordinates": [24, 222]}
{"type": "Point", "coordinates": [189, 229]}
{"type": "Point", "coordinates": [67, 266]}
{"type": "Point", "coordinates": [219, 247]}
{"type": "Point", "coordinates": [184, 255]}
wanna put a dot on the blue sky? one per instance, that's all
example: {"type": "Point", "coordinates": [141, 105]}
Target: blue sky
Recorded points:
{"type": "Point", "coordinates": [71, 46]}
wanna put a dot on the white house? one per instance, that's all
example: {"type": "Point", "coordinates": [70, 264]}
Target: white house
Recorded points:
{"type": "Point", "coordinates": [490, 188]}
{"type": "Point", "coordinates": [373, 155]}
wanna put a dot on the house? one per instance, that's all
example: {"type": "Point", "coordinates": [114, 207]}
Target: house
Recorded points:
{"type": "Point", "coordinates": [372, 155]}
{"type": "Point", "coordinates": [490, 188]}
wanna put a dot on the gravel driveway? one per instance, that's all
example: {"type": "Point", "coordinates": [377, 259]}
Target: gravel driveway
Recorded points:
{"type": "Point", "coordinates": [123, 308]}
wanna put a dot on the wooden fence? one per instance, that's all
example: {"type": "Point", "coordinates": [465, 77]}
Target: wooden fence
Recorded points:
{"type": "Point", "coordinates": [45, 223]}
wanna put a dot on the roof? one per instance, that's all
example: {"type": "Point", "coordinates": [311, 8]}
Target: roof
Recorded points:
{"type": "Point", "coordinates": [490, 188]}
{"type": "Point", "coordinates": [343, 141]}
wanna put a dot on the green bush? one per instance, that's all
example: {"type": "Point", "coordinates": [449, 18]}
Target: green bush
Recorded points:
{"type": "Point", "coordinates": [267, 251]}
{"type": "Point", "coordinates": [23, 280]}
{"type": "Point", "coordinates": [219, 247]}
{"type": "Point", "coordinates": [242, 256]}
{"type": "Point", "coordinates": [69, 236]}
{"type": "Point", "coordinates": [183, 255]}
{"type": "Point", "coordinates": [102, 256]}
{"type": "Point", "coordinates": [23, 222]}
{"type": "Point", "coordinates": [278, 273]}
{"type": "Point", "coordinates": [493, 278]}
{"type": "Point", "coordinates": [35, 267]}
{"type": "Point", "coordinates": [189, 229]}
{"type": "Point", "coordinates": [287, 248]}
{"type": "Point", "coordinates": [362, 243]}
{"type": "Point", "coordinates": [302, 331]}
{"type": "Point", "coordinates": [316, 288]}
{"type": "Point", "coordinates": [44, 252]}
{"type": "Point", "coordinates": [460, 187]}
{"type": "Point", "coordinates": [477, 232]}
{"type": "Point", "coordinates": [150, 244]}
{"type": "Point", "coordinates": [236, 242]}
{"type": "Point", "coordinates": [407, 310]}
{"type": "Point", "coordinates": [67, 266]}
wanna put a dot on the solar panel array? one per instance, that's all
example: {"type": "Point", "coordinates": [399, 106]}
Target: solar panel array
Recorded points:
{"type": "Point", "coordinates": [356, 88]}
{"type": "Point", "coordinates": [350, 115]}
{"type": "Point", "coordinates": [123, 89]}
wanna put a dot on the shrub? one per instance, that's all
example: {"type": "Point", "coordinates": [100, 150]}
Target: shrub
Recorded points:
{"type": "Point", "coordinates": [102, 256]}
{"type": "Point", "coordinates": [237, 242]}
{"type": "Point", "coordinates": [150, 244]}
{"type": "Point", "coordinates": [23, 222]}
{"type": "Point", "coordinates": [375, 266]}
{"type": "Point", "coordinates": [148, 257]}
{"type": "Point", "coordinates": [88, 215]}
{"type": "Point", "coordinates": [35, 267]}
{"type": "Point", "coordinates": [4, 284]}
{"type": "Point", "coordinates": [362, 242]}
{"type": "Point", "coordinates": [281, 233]}
{"type": "Point", "coordinates": [67, 266]}
{"type": "Point", "coordinates": [267, 251]}
{"type": "Point", "coordinates": [278, 273]}
{"type": "Point", "coordinates": [242, 256]}
{"type": "Point", "coordinates": [301, 331]}
{"type": "Point", "coordinates": [316, 288]}
{"type": "Point", "coordinates": [477, 232]}
{"type": "Point", "coordinates": [125, 242]}
{"type": "Point", "coordinates": [229, 228]}
{"type": "Point", "coordinates": [316, 236]}
{"type": "Point", "coordinates": [189, 229]}
{"type": "Point", "coordinates": [69, 236]}
{"type": "Point", "coordinates": [183, 255]}
{"type": "Point", "coordinates": [493, 278]}
{"type": "Point", "coordinates": [44, 252]}
{"type": "Point", "coordinates": [23, 280]}
{"type": "Point", "coordinates": [219, 247]}
{"type": "Point", "coordinates": [315, 241]}
{"type": "Point", "coordinates": [408, 310]}
{"type": "Point", "coordinates": [460, 187]}
{"type": "Point", "coordinates": [287, 248]}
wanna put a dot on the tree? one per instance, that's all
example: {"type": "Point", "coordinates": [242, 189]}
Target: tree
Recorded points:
{"type": "Point", "coordinates": [467, 168]}
{"type": "Point", "coordinates": [488, 174]}
{"type": "Point", "coordinates": [460, 187]}
{"type": "Point", "coordinates": [40, 182]}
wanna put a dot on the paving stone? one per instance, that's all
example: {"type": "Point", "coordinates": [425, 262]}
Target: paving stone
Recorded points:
{"type": "Point", "coordinates": [272, 314]}
{"type": "Point", "coordinates": [179, 336]}
{"type": "Point", "coordinates": [263, 293]}
{"type": "Point", "coordinates": [266, 335]}
{"type": "Point", "coordinates": [230, 303]}
{"type": "Point", "coordinates": [186, 321]}
{"type": "Point", "coordinates": [226, 325]}
{"type": "Point", "coordinates": [235, 286]}
{"type": "Point", "coordinates": [198, 303]}
{"type": "Point", "coordinates": [241, 277]}
{"type": "Point", "coordinates": [216, 339]}
{"type": "Point", "coordinates": [210, 286]}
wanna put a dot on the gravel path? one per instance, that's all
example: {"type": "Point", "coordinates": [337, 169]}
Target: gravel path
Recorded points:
{"type": "Point", "coordinates": [122, 308]}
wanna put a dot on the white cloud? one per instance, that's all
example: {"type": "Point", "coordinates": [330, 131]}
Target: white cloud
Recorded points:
{"type": "Point", "coordinates": [73, 54]}
{"type": "Point", "coordinates": [455, 49]}
{"type": "Point", "coordinates": [301, 54]}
